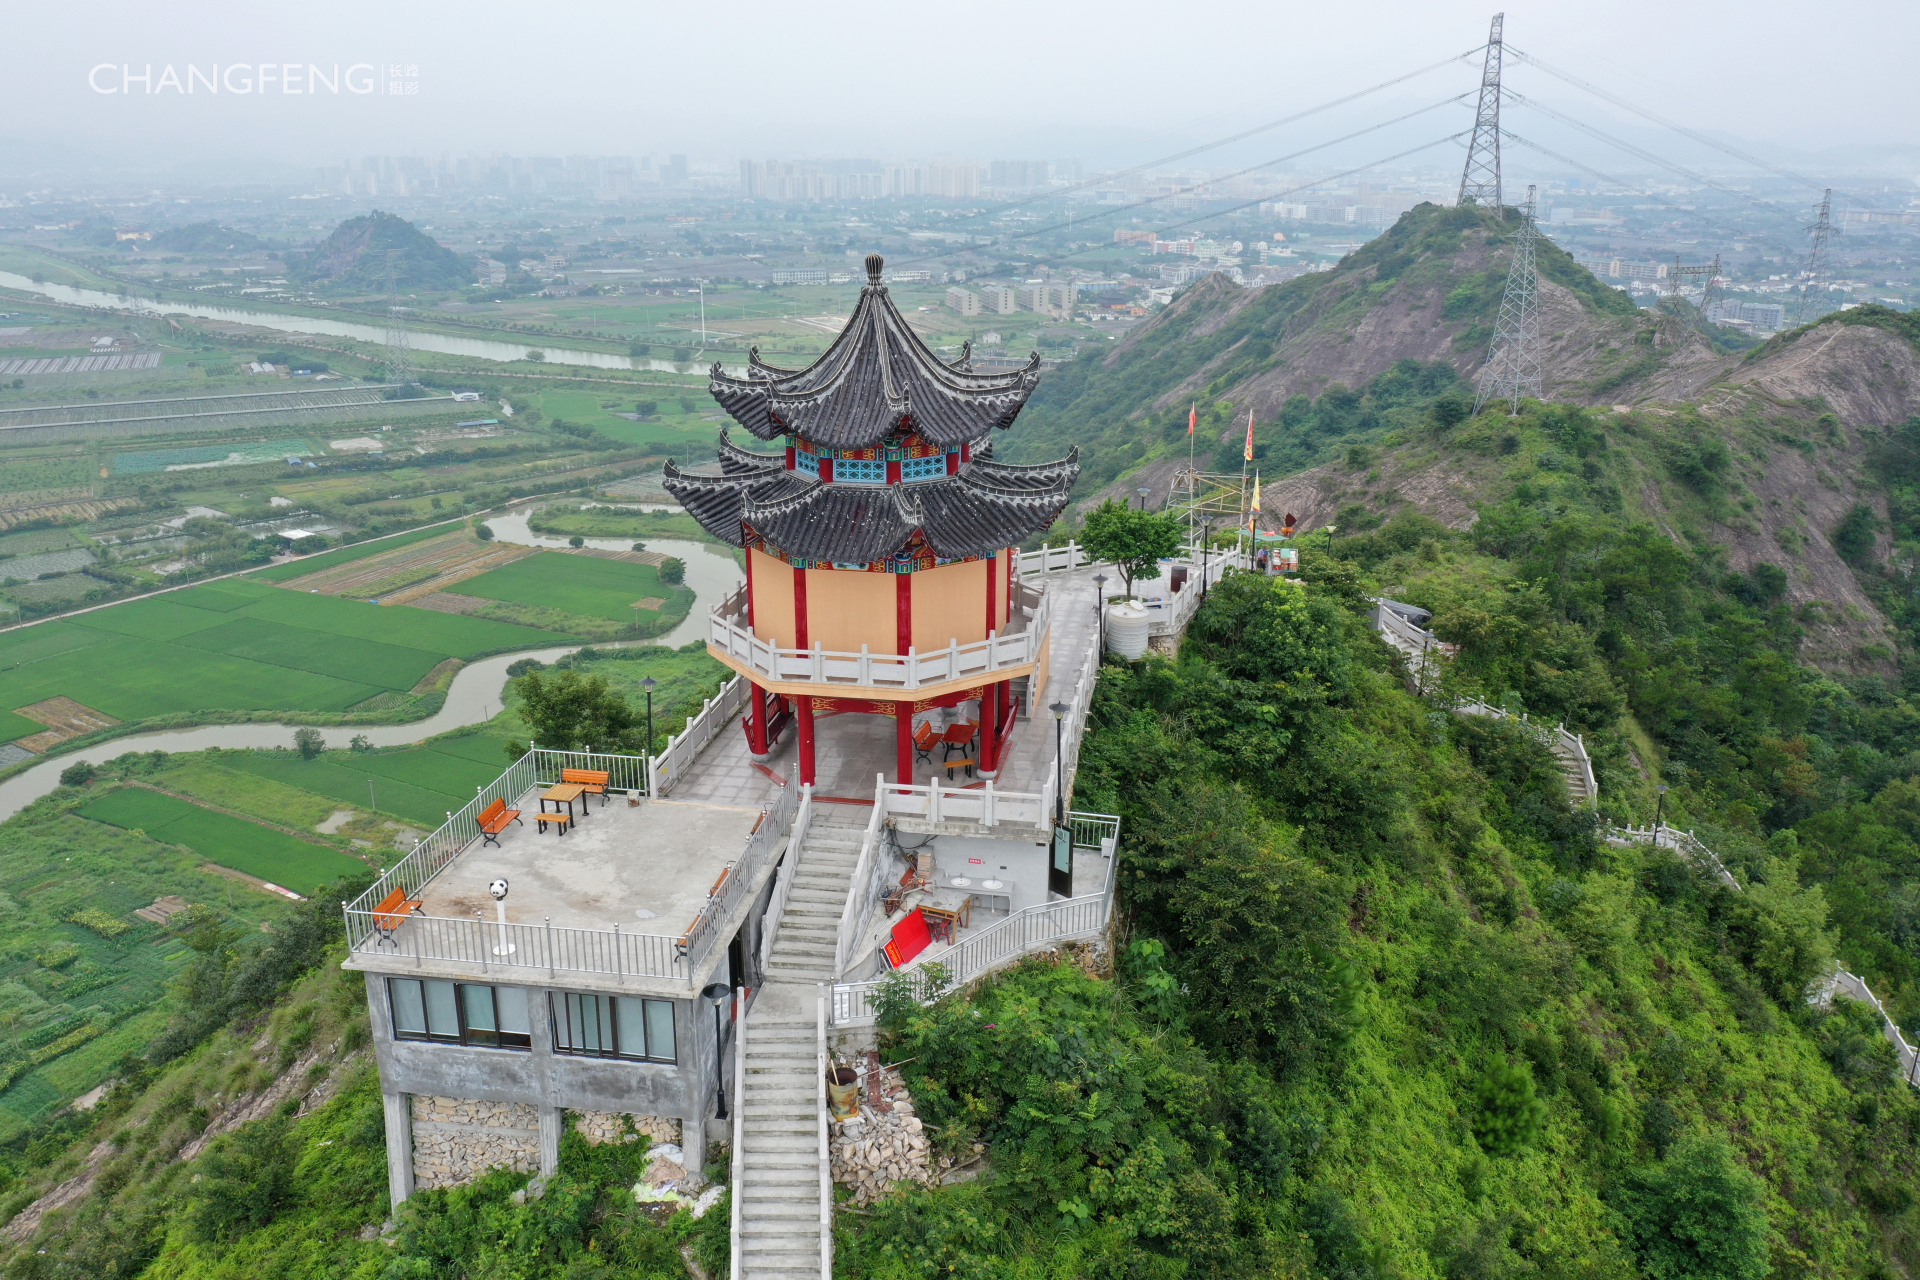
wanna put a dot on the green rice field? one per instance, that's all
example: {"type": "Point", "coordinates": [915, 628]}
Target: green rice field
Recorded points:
{"type": "Point", "coordinates": [224, 840]}
{"type": "Point", "coordinates": [420, 784]}
{"type": "Point", "coordinates": [578, 584]}
{"type": "Point", "coordinates": [237, 645]}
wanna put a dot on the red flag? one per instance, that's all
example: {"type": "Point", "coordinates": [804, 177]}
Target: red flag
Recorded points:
{"type": "Point", "coordinates": [1193, 416]}
{"type": "Point", "coordinates": [1248, 455]}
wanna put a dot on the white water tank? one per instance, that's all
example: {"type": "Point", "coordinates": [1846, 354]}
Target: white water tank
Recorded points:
{"type": "Point", "coordinates": [1127, 630]}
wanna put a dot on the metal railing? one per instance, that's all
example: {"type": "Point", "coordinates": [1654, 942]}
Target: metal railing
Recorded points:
{"type": "Point", "coordinates": [684, 747]}
{"type": "Point", "coordinates": [826, 1150]}
{"type": "Point", "coordinates": [1068, 920]}
{"type": "Point", "coordinates": [768, 834]}
{"type": "Point", "coordinates": [480, 943]}
{"type": "Point", "coordinates": [729, 633]}
{"type": "Point", "coordinates": [862, 890]}
{"type": "Point", "coordinates": [803, 817]}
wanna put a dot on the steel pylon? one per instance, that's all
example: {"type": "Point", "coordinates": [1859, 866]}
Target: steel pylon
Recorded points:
{"type": "Point", "coordinates": [1816, 257]}
{"type": "Point", "coordinates": [1513, 362]}
{"type": "Point", "coordinates": [1480, 180]}
{"type": "Point", "coordinates": [399, 343]}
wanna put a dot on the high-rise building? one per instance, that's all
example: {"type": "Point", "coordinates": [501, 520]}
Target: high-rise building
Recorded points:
{"type": "Point", "coordinates": [675, 169]}
{"type": "Point", "coordinates": [964, 301]}
{"type": "Point", "coordinates": [998, 299]}
{"type": "Point", "coordinates": [1017, 174]}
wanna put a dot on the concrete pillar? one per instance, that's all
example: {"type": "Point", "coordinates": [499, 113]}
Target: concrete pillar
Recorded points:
{"type": "Point", "coordinates": [552, 1122]}
{"type": "Point", "coordinates": [398, 1108]}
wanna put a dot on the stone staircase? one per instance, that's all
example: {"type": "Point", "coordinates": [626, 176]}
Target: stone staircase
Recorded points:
{"type": "Point", "coordinates": [779, 1188]}
{"type": "Point", "coordinates": [1575, 767]}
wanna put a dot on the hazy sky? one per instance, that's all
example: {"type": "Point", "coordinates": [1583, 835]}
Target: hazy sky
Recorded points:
{"type": "Point", "coordinates": [858, 77]}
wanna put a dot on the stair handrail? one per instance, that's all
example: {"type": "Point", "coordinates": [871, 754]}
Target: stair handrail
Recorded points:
{"type": "Point", "coordinates": [789, 868]}
{"type": "Point", "coordinates": [739, 1161]}
{"type": "Point", "coordinates": [826, 1166]}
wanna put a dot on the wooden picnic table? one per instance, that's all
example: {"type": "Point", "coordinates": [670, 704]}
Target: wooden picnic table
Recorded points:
{"type": "Point", "coordinates": [565, 793]}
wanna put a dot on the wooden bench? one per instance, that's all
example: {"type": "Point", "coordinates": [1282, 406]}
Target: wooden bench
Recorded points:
{"type": "Point", "coordinates": [564, 820]}
{"type": "Point", "coordinates": [391, 914]}
{"type": "Point", "coordinates": [494, 819]}
{"type": "Point", "coordinates": [594, 780]}
{"type": "Point", "coordinates": [685, 944]}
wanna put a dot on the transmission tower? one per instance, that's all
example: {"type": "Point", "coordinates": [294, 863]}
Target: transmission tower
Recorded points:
{"type": "Point", "coordinates": [1480, 180]}
{"type": "Point", "coordinates": [1513, 362]}
{"type": "Point", "coordinates": [1816, 257]}
{"type": "Point", "coordinates": [1678, 276]}
{"type": "Point", "coordinates": [399, 349]}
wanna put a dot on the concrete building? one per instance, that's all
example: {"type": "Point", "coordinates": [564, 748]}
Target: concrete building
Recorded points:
{"type": "Point", "coordinates": [801, 276]}
{"type": "Point", "coordinates": [998, 299]}
{"type": "Point", "coordinates": [488, 1024]}
{"type": "Point", "coordinates": [964, 301]}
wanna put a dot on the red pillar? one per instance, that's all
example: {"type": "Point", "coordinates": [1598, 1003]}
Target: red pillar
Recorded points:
{"type": "Point", "coordinates": [757, 722]}
{"type": "Point", "coordinates": [903, 611]}
{"type": "Point", "coordinates": [993, 595]}
{"type": "Point", "coordinates": [1006, 701]}
{"type": "Point", "coordinates": [990, 730]}
{"type": "Point", "coordinates": [804, 710]}
{"type": "Point", "coordinates": [800, 609]}
{"type": "Point", "coordinates": [903, 739]}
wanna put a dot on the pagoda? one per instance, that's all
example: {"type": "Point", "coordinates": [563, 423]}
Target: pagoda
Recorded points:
{"type": "Point", "coordinates": [880, 542]}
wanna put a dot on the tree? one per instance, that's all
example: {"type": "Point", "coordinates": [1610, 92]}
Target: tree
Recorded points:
{"type": "Point", "coordinates": [646, 408]}
{"type": "Point", "coordinates": [639, 546]}
{"type": "Point", "coordinates": [1511, 1113]}
{"type": "Point", "coordinates": [483, 532]}
{"type": "Point", "coordinates": [308, 742]}
{"type": "Point", "coordinates": [360, 742]}
{"type": "Point", "coordinates": [1134, 540]}
{"type": "Point", "coordinates": [576, 541]}
{"type": "Point", "coordinates": [567, 711]}
{"type": "Point", "coordinates": [1697, 1214]}
{"type": "Point", "coordinates": [673, 571]}
{"type": "Point", "coordinates": [78, 774]}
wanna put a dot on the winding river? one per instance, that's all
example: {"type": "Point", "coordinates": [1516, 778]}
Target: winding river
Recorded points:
{"type": "Point", "coordinates": [473, 697]}
{"type": "Point", "coordinates": [420, 339]}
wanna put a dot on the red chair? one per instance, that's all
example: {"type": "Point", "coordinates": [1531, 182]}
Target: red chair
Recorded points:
{"type": "Point", "coordinates": [924, 739]}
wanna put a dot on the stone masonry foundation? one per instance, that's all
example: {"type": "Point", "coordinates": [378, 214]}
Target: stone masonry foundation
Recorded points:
{"type": "Point", "coordinates": [455, 1140]}
{"type": "Point", "coordinates": [610, 1126]}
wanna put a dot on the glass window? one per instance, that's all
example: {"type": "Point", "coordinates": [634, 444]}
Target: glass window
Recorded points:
{"type": "Point", "coordinates": [614, 1026]}
{"type": "Point", "coordinates": [409, 1009]}
{"type": "Point", "coordinates": [660, 1031]}
{"type": "Point", "coordinates": [442, 1019]}
{"type": "Point", "coordinates": [460, 1013]}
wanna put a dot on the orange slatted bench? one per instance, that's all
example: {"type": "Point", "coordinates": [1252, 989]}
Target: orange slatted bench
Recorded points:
{"type": "Point", "coordinates": [392, 913]}
{"type": "Point", "coordinates": [494, 819]}
{"type": "Point", "coordinates": [594, 780]}
{"type": "Point", "coordinates": [562, 817]}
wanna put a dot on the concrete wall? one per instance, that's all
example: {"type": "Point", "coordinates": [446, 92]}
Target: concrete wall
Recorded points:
{"type": "Point", "coordinates": [539, 1079]}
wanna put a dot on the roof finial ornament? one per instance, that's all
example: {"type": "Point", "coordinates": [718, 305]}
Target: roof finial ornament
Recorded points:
{"type": "Point", "coordinates": [874, 263]}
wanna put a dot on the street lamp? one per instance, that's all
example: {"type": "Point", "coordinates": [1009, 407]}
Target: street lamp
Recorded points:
{"type": "Point", "coordinates": [648, 684]}
{"type": "Point", "coordinates": [1059, 710]}
{"type": "Point", "coordinates": [1329, 532]}
{"type": "Point", "coordinates": [716, 994]}
{"type": "Point", "coordinates": [1142, 491]}
{"type": "Point", "coordinates": [1206, 544]}
{"type": "Point", "coordinates": [1659, 813]}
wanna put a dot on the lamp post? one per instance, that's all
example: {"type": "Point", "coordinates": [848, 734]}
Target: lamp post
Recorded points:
{"type": "Point", "coordinates": [716, 994]}
{"type": "Point", "coordinates": [1059, 710]}
{"type": "Point", "coordinates": [648, 684]}
{"type": "Point", "coordinates": [1142, 491]}
{"type": "Point", "coordinates": [1206, 545]}
{"type": "Point", "coordinates": [1659, 814]}
{"type": "Point", "coordinates": [1329, 532]}
{"type": "Point", "coordinates": [1099, 612]}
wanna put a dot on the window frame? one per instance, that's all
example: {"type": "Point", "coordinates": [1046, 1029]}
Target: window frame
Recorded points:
{"type": "Point", "coordinates": [614, 1046]}
{"type": "Point", "coordinates": [466, 1035]}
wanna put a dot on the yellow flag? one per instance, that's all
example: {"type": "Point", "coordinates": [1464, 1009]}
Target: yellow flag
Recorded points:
{"type": "Point", "coordinates": [1253, 521]}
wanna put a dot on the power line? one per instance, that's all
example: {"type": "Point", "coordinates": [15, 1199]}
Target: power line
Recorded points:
{"type": "Point", "coordinates": [1108, 178]}
{"type": "Point", "coordinates": [1628, 187]}
{"type": "Point", "coordinates": [1112, 211]}
{"type": "Point", "coordinates": [1644, 154]}
{"type": "Point", "coordinates": [1816, 257]}
{"type": "Point", "coordinates": [1480, 179]}
{"type": "Point", "coordinates": [1681, 129]}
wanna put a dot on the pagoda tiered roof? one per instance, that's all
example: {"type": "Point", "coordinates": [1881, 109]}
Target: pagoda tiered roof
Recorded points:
{"type": "Point", "coordinates": [878, 378]}
{"type": "Point", "coordinates": [984, 507]}
{"type": "Point", "coordinates": [878, 402]}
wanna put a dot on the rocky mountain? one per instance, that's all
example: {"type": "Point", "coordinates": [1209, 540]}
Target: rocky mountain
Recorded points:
{"type": "Point", "coordinates": [354, 258]}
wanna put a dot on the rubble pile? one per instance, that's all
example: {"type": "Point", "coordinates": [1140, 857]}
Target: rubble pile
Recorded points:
{"type": "Point", "coordinates": [883, 1146]}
